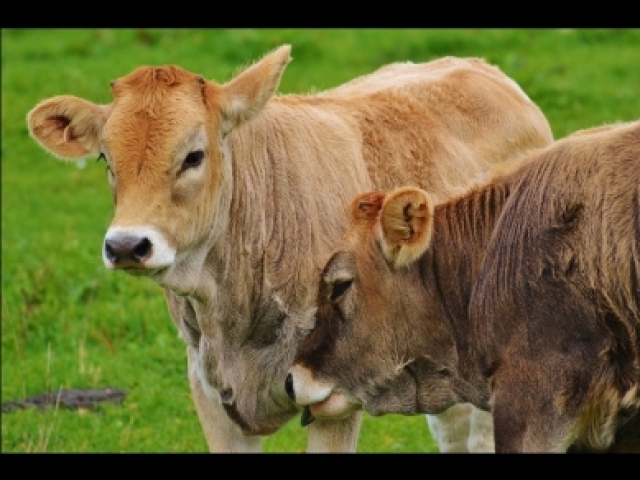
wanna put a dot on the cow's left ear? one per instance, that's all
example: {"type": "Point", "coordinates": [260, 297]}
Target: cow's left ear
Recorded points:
{"type": "Point", "coordinates": [246, 94]}
{"type": "Point", "coordinates": [405, 225]}
{"type": "Point", "coordinates": [67, 126]}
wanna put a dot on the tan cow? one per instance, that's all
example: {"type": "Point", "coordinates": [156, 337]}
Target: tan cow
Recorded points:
{"type": "Point", "coordinates": [223, 193]}
{"type": "Point", "coordinates": [521, 296]}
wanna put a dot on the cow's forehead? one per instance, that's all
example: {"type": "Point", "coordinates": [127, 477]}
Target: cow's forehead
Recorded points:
{"type": "Point", "coordinates": [357, 250]}
{"type": "Point", "coordinates": [157, 93]}
{"type": "Point", "coordinates": [151, 79]}
{"type": "Point", "coordinates": [155, 108]}
{"type": "Point", "coordinates": [359, 237]}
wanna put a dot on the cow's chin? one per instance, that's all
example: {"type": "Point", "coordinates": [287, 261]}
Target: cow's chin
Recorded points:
{"type": "Point", "coordinates": [155, 274]}
{"type": "Point", "coordinates": [336, 407]}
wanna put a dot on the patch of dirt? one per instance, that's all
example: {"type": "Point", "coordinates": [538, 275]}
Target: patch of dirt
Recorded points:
{"type": "Point", "coordinates": [73, 399]}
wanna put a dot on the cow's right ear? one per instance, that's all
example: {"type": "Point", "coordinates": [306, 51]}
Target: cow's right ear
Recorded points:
{"type": "Point", "coordinates": [405, 225]}
{"type": "Point", "coordinates": [67, 126]}
{"type": "Point", "coordinates": [247, 93]}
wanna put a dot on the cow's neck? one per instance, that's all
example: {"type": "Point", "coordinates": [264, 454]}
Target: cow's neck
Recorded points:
{"type": "Point", "coordinates": [462, 230]}
{"type": "Point", "coordinates": [251, 291]}
{"type": "Point", "coordinates": [272, 232]}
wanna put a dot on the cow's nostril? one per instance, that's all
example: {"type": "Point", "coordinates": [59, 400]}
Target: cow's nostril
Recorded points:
{"type": "Point", "coordinates": [288, 387]}
{"type": "Point", "coordinates": [127, 250]}
{"type": "Point", "coordinates": [110, 252]}
{"type": "Point", "coordinates": [142, 250]}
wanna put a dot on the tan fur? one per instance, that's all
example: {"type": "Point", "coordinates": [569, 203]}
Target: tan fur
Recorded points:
{"type": "Point", "coordinates": [405, 226]}
{"type": "Point", "coordinates": [250, 227]}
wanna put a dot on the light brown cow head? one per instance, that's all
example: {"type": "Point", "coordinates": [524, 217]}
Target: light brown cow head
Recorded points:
{"type": "Point", "coordinates": [372, 325]}
{"type": "Point", "coordinates": [165, 140]}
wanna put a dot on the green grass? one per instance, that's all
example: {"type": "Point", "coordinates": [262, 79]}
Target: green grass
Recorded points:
{"type": "Point", "coordinates": [68, 323]}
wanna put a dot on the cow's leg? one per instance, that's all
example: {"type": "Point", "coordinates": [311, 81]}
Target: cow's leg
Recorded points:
{"type": "Point", "coordinates": [221, 433]}
{"type": "Point", "coordinates": [339, 436]}
{"type": "Point", "coordinates": [525, 416]}
{"type": "Point", "coordinates": [542, 434]}
{"type": "Point", "coordinates": [451, 428]}
{"type": "Point", "coordinates": [480, 432]}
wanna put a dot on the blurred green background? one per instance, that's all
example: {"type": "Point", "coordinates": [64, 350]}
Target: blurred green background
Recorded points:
{"type": "Point", "coordinates": [68, 323]}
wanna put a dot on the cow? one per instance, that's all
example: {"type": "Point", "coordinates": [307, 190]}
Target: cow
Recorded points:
{"type": "Point", "coordinates": [521, 297]}
{"type": "Point", "coordinates": [222, 191]}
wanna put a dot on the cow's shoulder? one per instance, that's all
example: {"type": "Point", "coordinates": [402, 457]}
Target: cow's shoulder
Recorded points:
{"type": "Point", "coordinates": [566, 240]}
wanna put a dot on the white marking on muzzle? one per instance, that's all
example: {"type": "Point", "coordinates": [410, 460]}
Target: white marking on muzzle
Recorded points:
{"type": "Point", "coordinates": [307, 389]}
{"type": "Point", "coordinates": [162, 254]}
{"type": "Point", "coordinates": [336, 406]}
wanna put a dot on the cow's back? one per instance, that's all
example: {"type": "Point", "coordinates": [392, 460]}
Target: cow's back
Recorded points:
{"type": "Point", "coordinates": [440, 125]}
{"type": "Point", "coordinates": [572, 217]}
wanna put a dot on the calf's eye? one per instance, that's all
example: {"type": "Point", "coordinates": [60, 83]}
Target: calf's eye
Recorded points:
{"type": "Point", "coordinates": [193, 159]}
{"type": "Point", "coordinates": [339, 287]}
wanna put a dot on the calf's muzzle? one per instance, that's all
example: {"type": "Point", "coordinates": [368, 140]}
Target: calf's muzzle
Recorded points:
{"type": "Point", "coordinates": [307, 417]}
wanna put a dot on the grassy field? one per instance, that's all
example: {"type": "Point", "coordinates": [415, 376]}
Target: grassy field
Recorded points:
{"type": "Point", "coordinates": [68, 323]}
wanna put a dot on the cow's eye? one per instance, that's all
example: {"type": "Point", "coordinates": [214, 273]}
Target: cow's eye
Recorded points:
{"type": "Point", "coordinates": [339, 287]}
{"type": "Point", "coordinates": [193, 159]}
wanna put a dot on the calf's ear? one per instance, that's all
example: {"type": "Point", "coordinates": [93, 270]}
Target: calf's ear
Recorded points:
{"type": "Point", "coordinates": [67, 126]}
{"type": "Point", "coordinates": [248, 92]}
{"type": "Point", "coordinates": [366, 206]}
{"type": "Point", "coordinates": [405, 225]}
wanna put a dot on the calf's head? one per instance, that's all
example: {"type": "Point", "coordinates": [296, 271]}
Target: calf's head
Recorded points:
{"type": "Point", "coordinates": [377, 344]}
{"type": "Point", "coordinates": [164, 138]}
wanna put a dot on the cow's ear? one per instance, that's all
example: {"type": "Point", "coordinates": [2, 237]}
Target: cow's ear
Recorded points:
{"type": "Point", "coordinates": [405, 225]}
{"type": "Point", "coordinates": [366, 206]}
{"type": "Point", "coordinates": [67, 126]}
{"type": "Point", "coordinates": [247, 93]}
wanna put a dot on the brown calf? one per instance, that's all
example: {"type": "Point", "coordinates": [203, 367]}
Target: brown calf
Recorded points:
{"type": "Point", "coordinates": [521, 297]}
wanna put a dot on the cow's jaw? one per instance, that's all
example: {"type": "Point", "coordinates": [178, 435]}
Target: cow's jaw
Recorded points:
{"type": "Point", "coordinates": [419, 386]}
{"type": "Point", "coordinates": [177, 270]}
